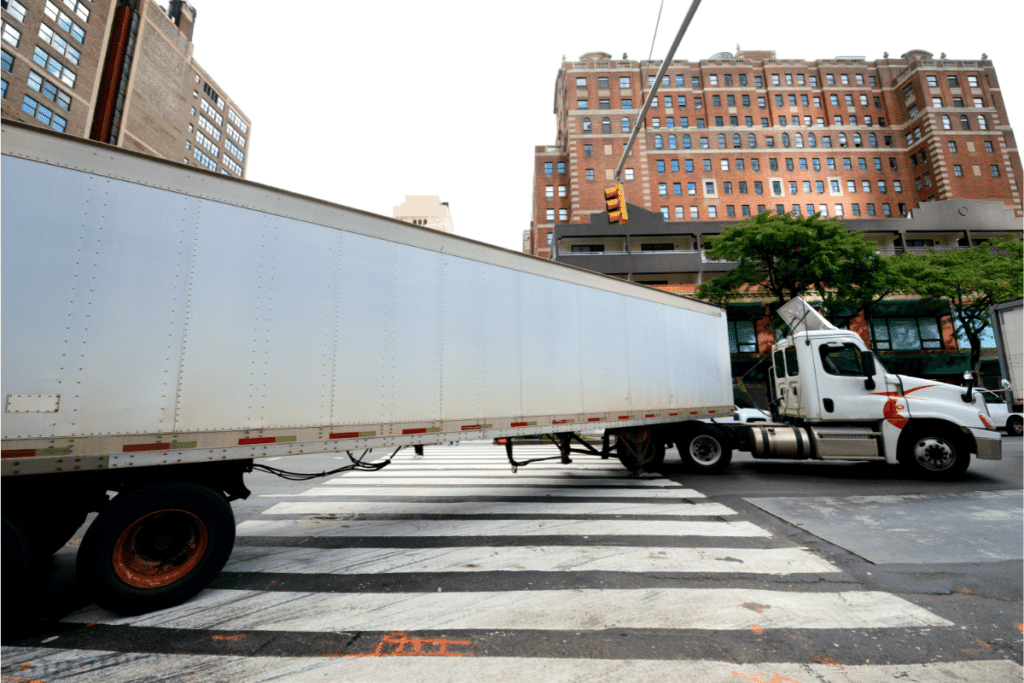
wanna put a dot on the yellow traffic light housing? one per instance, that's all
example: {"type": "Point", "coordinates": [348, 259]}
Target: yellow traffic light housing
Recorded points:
{"type": "Point", "coordinates": [615, 203]}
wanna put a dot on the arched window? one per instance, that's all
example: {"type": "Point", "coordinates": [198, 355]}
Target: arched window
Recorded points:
{"type": "Point", "coordinates": [857, 142]}
{"type": "Point", "coordinates": [946, 123]}
{"type": "Point", "coordinates": [872, 140]}
{"type": "Point", "coordinates": [686, 142]}
{"type": "Point", "coordinates": [812, 140]}
{"type": "Point", "coordinates": [785, 139]}
{"type": "Point", "coordinates": [982, 122]}
{"type": "Point", "coordinates": [658, 142]}
{"type": "Point", "coordinates": [736, 140]}
{"type": "Point", "coordinates": [586, 124]}
{"type": "Point", "coordinates": [721, 141]}
{"type": "Point", "coordinates": [606, 125]}
{"type": "Point", "coordinates": [704, 143]}
{"type": "Point", "coordinates": [842, 139]}
{"type": "Point", "coordinates": [965, 123]}
{"type": "Point", "coordinates": [799, 137]}
{"type": "Point", "coordinates": [625, 124]}
{"type": "Point", "coordinates": [672, 142]}
{"type": "Point", "coordinates": [751, 140]}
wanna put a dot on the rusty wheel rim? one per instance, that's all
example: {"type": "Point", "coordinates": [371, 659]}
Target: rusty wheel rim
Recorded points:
{"type": "Point", "coordinates": [160, 548]}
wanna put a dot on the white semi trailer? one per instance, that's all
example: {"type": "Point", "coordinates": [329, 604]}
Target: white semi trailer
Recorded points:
{"type": "Point", "coordinates": [165, 327]}
{"type": "Point", "coordinates": [1008, 326]}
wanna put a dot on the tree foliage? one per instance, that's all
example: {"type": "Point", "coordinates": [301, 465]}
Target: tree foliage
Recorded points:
{"type": "Point", "coordinates": [973, 280]}
{"type": "Point", "coordinates": [787, 256]}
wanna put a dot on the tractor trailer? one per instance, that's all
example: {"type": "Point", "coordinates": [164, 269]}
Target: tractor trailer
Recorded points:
{"type": "Point", "coordinates": [165, 328]}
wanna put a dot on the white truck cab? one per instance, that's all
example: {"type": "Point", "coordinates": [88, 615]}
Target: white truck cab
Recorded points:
{"type": "Point", "coordinates": [836, 401]}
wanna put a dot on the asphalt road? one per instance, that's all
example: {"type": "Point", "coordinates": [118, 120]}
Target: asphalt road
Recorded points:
{"type": "Point", "coordinates": [772, 571]}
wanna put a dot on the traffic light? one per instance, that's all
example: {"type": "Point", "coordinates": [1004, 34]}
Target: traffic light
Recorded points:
{"type": "Point", "coordinates": [615, 203]}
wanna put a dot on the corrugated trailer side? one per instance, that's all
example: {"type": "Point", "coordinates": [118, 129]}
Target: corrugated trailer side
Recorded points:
{"type": "Point", "coordinates": [158, 314]}
{"type": "Point", "coordinates": [164, 326]}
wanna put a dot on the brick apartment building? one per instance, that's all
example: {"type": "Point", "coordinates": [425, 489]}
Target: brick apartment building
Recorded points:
{"type": "Point", "coordinates": [121, 72]}
{"type": "Point", "coordinates": [916, 152]}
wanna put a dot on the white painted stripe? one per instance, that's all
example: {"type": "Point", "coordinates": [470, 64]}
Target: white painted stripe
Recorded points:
{"type": "Point", "coordinates": [115, 667]}
{"type": "Point", "coordinates": [483, 508]}
{"type": "Point", "coordinates": [713, 609]}
{"type": "Point", "coordinates": [348, 526]}
{"type": "Point", "coordinates": [499, 491]}
{"type": "Point", "coordinates": [511, 480]}
{"type": "Point", "coordinates": [529, 558]}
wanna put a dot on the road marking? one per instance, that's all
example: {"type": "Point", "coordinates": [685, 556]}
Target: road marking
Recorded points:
{"type": "Point", "coordinates": [713, 609]}
{"type": "Point", "coordinates": [325, 525]}
{"type": "Point", "coordinates": [499, 490]}
{"type": "Point", "coordinates": [114, 667]}
{"type": "Point", "coordinates": [509, 480]}
{"type": "Point", "coordinates": [496, 508]}
{"type": "Point", "coordinates": [528, 558]}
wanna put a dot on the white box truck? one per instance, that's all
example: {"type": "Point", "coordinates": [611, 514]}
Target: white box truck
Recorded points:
{"type": "Point", "coordinates": [1008, 327]}
{"type": "Point", "coordinates": [164, 327]}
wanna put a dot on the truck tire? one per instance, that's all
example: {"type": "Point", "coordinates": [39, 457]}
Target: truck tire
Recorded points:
{"type": "Point", "coordinates": [934, 452]}
{"type": "Point", "coordinates": [1013, 426]}
{"type": "Point", "coordinates": [17, 555]}
{"type": "Point", "coordinates": [156, 546]}
{"type": "Point", "coordinates": [639, 450]}
{"type": "Point", "coordinates": [704, 448]}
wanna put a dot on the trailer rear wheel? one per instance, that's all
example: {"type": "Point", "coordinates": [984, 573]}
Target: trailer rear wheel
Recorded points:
{"type": "Point", "coordinates": [639, 449]}
{"type": "Point", "coordinates": [934, 452]}
{"type": "Point", "coordinates": [1013, 426]}
{"type": "Point", "coordinates": [156, 546]}
{"type": "Point", "coordinates": [704, 448]}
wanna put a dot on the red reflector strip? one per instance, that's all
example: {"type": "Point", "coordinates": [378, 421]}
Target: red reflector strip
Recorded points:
{"type": "Point", "coordinates": [469, 428]}
{"type": "Point", "coordinates": [673, 414]}
{"type": "Point", "coordinates": [650, 415]}
{"type": "Point", "coordinates": [19, 453]}
{"type": "Point", "coordinates": [146, 447]}
{"type": "Point", "coordinates": [558, 422]}
{"type": "Point", "coordinates": [421, 430]}
{"type": "Point", "coordinates": [518, 424]}
{"type": "Point", "coordinates": [345, 435]}
{"type": "Point", "coordinates": [623, 417]}
{"type": "Point", "coordinates": [693, 412]}
{"type": "Point", "coordinates": [593, 419]}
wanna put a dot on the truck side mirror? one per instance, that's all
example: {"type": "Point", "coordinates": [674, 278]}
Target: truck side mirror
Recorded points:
{"type": "Point", "coordinates": [867, 361]}
{"type": "Point", "coordinates": [968, 395]}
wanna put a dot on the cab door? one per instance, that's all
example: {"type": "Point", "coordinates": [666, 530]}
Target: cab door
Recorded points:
{"type": "Point", "coordinates": [850, 386]}
{"type": "Point", "coordinates": [788, 383]}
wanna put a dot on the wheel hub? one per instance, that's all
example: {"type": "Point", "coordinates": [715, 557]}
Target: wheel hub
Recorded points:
{"type": "Point", "coordinates": [705, 449]}
{"type": "Point", "coordinates": [934, 453]}
{"type": "Point", "coordinates": [160, 548]}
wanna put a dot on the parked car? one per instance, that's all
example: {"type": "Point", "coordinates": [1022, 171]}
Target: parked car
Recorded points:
{"type": "Point", "coordinates": [999, 412]}
{"type": "Point", "coordinates": [744, 415]}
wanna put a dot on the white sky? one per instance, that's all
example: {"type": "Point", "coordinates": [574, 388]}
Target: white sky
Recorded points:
{"type": "Point", "coordinates": [364, 103]}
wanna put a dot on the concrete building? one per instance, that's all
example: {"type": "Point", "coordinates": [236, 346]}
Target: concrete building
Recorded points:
{"type": "Point", "coordinates": [735, 135]}
{"type": "Point", "coordinates": [425, 210]}
{"type": "Point", "coordinates": [121, 72]}
{"type": "Point", "coordinates": [916, 153]}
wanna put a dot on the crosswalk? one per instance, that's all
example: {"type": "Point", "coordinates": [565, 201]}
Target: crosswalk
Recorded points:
{"type": "Point", "coordinates": [451, 568]}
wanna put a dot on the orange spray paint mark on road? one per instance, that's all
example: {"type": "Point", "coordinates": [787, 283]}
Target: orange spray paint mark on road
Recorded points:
{"type": "Point", "coordinates": [416, 647]}
{"type": "Point", "coordinates": [1020, 627]}
{"type": "Point", "coordinates": [763, 677]}
{"type": "Point", "coordinates": [757, 629]}
{"type": "Point", "coordinates": [239, 637]}
{"type": "Point", "coordinates": [827, 661]}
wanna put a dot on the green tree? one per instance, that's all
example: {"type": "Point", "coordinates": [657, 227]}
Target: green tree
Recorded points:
{"type": "Point", "coordinates": [973, 280]}
{"type": "Point", "coordinates": [787, 256]}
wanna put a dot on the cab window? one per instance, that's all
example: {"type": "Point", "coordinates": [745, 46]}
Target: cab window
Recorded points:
{"type": "Point", "coordinates": [792, 366]}
{"type": "Point", "coordinates": [841, 360]}
{"type": "Point", "coordinates": [780, 365]}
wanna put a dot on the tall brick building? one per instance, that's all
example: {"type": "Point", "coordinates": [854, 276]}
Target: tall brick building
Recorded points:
{"type": "Point", "coordinates": [121, 72]}
{"type": "Point", "coordinates": [916, 153]}
{"type": "Point", "coordinates": [738, 134]}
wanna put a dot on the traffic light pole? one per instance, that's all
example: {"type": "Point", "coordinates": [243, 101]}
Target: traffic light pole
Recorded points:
{"type": "Point", "coordinates": [654, 90]}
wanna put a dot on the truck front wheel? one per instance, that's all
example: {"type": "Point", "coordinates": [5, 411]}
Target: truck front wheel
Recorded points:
{"type": "Point", "coordinates": [934, 452]}
{"type": "Point", "coordinates": [156, 546]}
{"type": "Point", "coordinates": [704, 448]}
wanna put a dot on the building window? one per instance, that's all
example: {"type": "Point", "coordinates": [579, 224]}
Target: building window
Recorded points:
{"type": "Point", "coordinates": [742, 336]}
{"type": "Point", "coordinates": [663, 189]}
{"type": "Point", "coordinates": [590, 174]}
{"type": "Point", "coordinates": [982, 122]}
{"type": "Point", "coordinates": [606, 125]}
{"type": "Point", "coordinates": [672, 143]}
{"type": "Point", "coordinates": [679, 212]}
{"type": "Point", "coordinates": [628, 174]}
{"type": "Point", "coordinates": [694, 213]}
{"type": "Point", "coordinates": [952, 80]}
{"type": "Point", "coordinates": [561, 168]}
{"type": "Point", "coordinates": [582, 104]}
{"type": "Point", "coordinates": [745, 210]}
{"type": "Point", "coordinates": [581, 81]}
{"type": "Point", "coordinates": [627, 104]}
{"type": "Point", "coordinates": [965, 122]}
{"type": "Point", "coordinates": [677, 188]}
{"type": "Point", "coordinates": [549, 168]}
{"type": "Point", "coordinates": [588, 150]}
{"type": "Point", "coordinates": [952, 147]}
{"type": "Point", "coordinates": [691, 189]}
{"type": "Point", "coordinates": [625, 124]}
{"type": "Point", "coordinates": [905, 334]}
{"type": "Point", "coordinates": [550, 215]}
{"type": "Point", "coordinates": [674, 164]}
{"type": "Point", "coordinates": [730, 211]}
{"type": "Point", "coordinates": [587, 248]}
{"type": "Point", "coordinates": [995, 170]}
{"type": "Point", "coordinates": [871, 209]}
{"type": "Point", "coordinates": [586, 124]}
{"type": "Point", "coordinates": [604, 104]}
{"type": "Point", "coordinates": [563, 214]}
{"type": "Point", "coordinates": [11, 34]}
{"type": "Point", "coordinates": [689, 165]}
{"type": "Point", "coordinates": [8, 61]}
